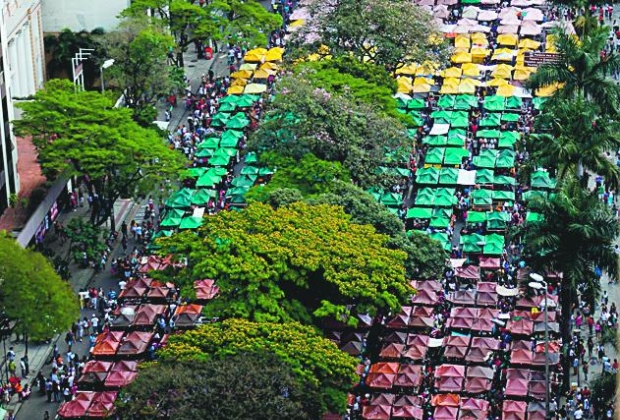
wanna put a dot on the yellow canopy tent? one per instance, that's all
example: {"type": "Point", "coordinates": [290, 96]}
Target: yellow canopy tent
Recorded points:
{"type": "Point", "coordinates": [409, 69]}
{"type": "Point", "coordinates": [479, 53]}
{"type": "Point", "coordinates": [468, 86]}
{"type": "Point", "coordinates": [461, 58]}
{"type": "Point", "coordinates": [248, 66]}
{"type": "Point", "coordinates": [422, 88]}
{"type": "Point", "coordinates": [426, 69]}
{"type": "Point", "coordinates": [262, 74]}
{"type": "Point", "coordinates": [497, 82]}
{"type": "Point", "coordinates": [449, 89]}
{"type": "Point", "coordinates": [462, 41]}
{"type": "Point", "coordinates": [550, 43]}
{"type": "Point", "coordinates": [522, 72]}
{"type": "Point", "coordinates": [270, 67]}
{"type": "Point", "coordinates": [502, 71]}
{"type": "Point", "coordinates": [506, 91]}
{"type": "Point", "coordinates": [239, 82]}
{"type": "Point", "coordinates": [296, 23]}
{"type": "Point", "coordinates": [241, 74]}
{"type": "Point", "coordinates": [452, 72]}
{"type": "Point", "coordinates": [547, 91]}
{"type": "Point", "coordinates": [255, 88]}
{"type": "Point", "coordinates": [235, 90]}
{"type": "Point", "coordinates": [255, 55]}
{"type": "Point", "coordinates": [274, 54]}
{"type": "Point", "coordinates": [529, 43]}
{"type": "Point", "coordinates": [423, 81]}
{"type": "Point", "coordinates": [503, 54]}
{"type": "Point", "coordinates": [479, 38]}
{"type": "Point", "coordinates": [470, 70]}
{"type": "Point", "coordinates": [460, 50]}
{"type": "Point", "coordinates": [404, 84]}
{"type": "Point", "coordinates": [507, 39]}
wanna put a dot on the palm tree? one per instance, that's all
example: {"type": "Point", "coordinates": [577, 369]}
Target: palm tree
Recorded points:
{"type": "Point", "coordinates": [575, 236]}
{"type": "Point", "coordinates": [573, 140]}
{"type": "Point", "coordinates": [582, 70]}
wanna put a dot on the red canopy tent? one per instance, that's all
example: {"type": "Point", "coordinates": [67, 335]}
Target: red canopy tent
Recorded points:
{"type": "Point", "coordinates": [417, 346]}
{"type": "Point", "coordinates": [461, 318]}
{"type": "Point", "coordinates": [409, 376]}
{"type": "Point", "coordinates": [107, 343]}
{"type": "Point", "coordinates": [463, 297]}
{"type": "Point", "coordinates": [205, 289]}
{"type": "Point", "coordinates": [449, 378]}
{"type": "Point", "coordinates": [94, 372]}
{"type": "Point", "coordinates": [392, 351]}
{"type": "Point", "coordinates": [134, 290]}
{"type": "Point", "coordinates": [383, 399]}
{"type": "Point", "coordinates": [155, 263]}
{"type": "Point", "coordinates": [376, 412]}
{"type": "Point", "coordinates": [158, 293]}
{"type": "Point", "coordinates": [382, 375]}
{"type": "Point", "coordinates": [478, 354]}
{"type": "Point", "coordinates": [407, 412]}
{"type": "Point", "coordinates": [425, 297]}
{"type": "Point", "coordinates": [485, 342]}
{"type": "Point", "coordinates": [446, 400]}
{"type": "Point", "coordinates": [401, 320]}
{"type": "Point", "coordinates": [429, 285]}
{"type": "Point", "coordinates": [102, 405]}
{"type": "Point", "coordinates": [122, 374]}
{"type": "Point", "coordinates": [146, 315]}
{"type": "Point", "coordinates": [490, 262]}
{"type": "Point", "coordinates": [517, 381]}
{"type": "Point", "coordinates": [521, 357]}
{"type": "Point", "coordinates": [470, 272]}
{"type": "Point", "coordinates": [478, 379]}
{"type": "Point", "coordinates": [514, 410]}
{"type": "Point", "coordinates": [187, 316]}
{"type": "Point", "coordinates": [124, 317]}
{"type": "Point", "coordinates": [446, 413]}
{"type": "Point", "coordinates": [473, 409]}
{"type": "Point", "coordinates": [520, 326]}
{"type": "Point", "coordinates": [484, 320]}
{"type": "Point", "coordinates": [395, 337]}
{"type": "Point", "coordinates": [135, 343]}
{"type": "Point", "coordinates": [77, 407]}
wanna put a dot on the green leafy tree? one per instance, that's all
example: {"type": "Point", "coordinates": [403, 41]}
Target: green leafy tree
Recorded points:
{"type": "Point", "coordinates": [334, 127]}
{"type": "Point", "coordinates": [298, 262]}
{"type": "Point", "coordinates": [83, 237]}
{"type": "Point", "coordinates": [32, 294]}
{"type": "Point", "coordinates": [582, 70]}
{"type": "Point", "coordinates": [83, 134]}
{"type": "Point", "coordinates": [388, 33]}
{"type": "Point", "coordinates": [575, 236]}
{"type": "Point", "coordinates": [573, 140]}
{"type": "Point", "coordinates": [256, 385]}
{"type": "Point", "coordinates": [243, 22]}
{"type": "Point", "coordinates": [316, 362]}
{"type": "Point", "coordinates": [139, 47]}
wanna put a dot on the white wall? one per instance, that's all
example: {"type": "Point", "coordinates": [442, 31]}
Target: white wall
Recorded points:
{"type": "Point", "coordinates": [78, 15]}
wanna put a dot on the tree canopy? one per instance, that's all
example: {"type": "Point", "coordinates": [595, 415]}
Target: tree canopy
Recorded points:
{"type": "Point", "coordinates": [303, 119]}
{"type": "Point", "coordinates": [389, 33]}
{"type": "Point", "coordinates": [242, 22]}
{"type": "Point", "coordinates": [298, 262]}
{"type": "Point", "coordinates": [32, 294]}
{"type": "Point", "coordinates": [139, 47]}
{"type": "Point", "coordinates": [316, 361]}
{"type": "Point", "coordinates": [256, 385]}
{"type": "Point", "coordinates": [83, 134]}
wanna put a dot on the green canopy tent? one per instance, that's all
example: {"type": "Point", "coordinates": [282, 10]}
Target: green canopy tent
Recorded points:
{"type": "Point", "coordinates": [455, 155]}
{"type": "Point", "coordinates": [412, 133]}
{"type": "Point", "coordinates": [510, 117]}
{"type": "Point", "coordinates": [435, 140]}
{"type": "Point", "coordinates": [238, 121]}
{"type": "Point", "coordinates": [494, 244]}
{"type": "Point", "coordinates": [191, 222]}
{"type": "Point", "coordinates": [202, 196]}
{"type": "Point", "coordinates": [236, 200]}
{"type": "Point", "coordinates": [446, 102]}
{"type": "Point", "coordinates": [465, 102]}
{"type": "Point", "coordinates": [180, 199]}
{"type": "Point", "coordinates": [230, 138]}
{"type": "Point", "coordinates": [491, 120]}
{"type": "Point", "coordinates": [459, 119]}
{"type": "Point", "coordinates": [229, 99]}
{"type": "Point", "coordinates": [434, 156]}
{"type": "Point", "coordinates": [488, 134]}
{"type": "Point", "coordinates": [209, 143]}
{"type": "Point", "coordinates": [227, 107]}
{"type": "Point", "coordinates": [251, 158]}
{"type": "Point", "coordinates": [541, 179]}
{"type": "Point", "coordinates": [534, 194]}
{"type": "Point", "coordinates": [533, 217]}
{"type": "Point", "coordinates": [418, 119]}
{"type": "Point", "coordinates": [427, 176]}
{"type": "Point", "coordinates": [425, 197]}
{"type": "Point", "coordinates": [486, 159]}
{"type": "Point", "coordinates": [172, 219]}
{"type": "Point", "coordinates": [441, 116]}
{"type": "Point", "coordinates": [494, 103]}
{"type": "Point", "coordinates": [499, 195]}
{"type": "Point", "coordinates": [220, 160]}
{"type": "Point", "coordinates": [444, 197]}
{"type": "Point", "coordinates": [507, 139]}
{"type": "Point", "coordinates": [482, 198]}
{"type": "Point", "coordinates": [220, 119]}
{"type": "Point", "coordinates": [539, 103]}
{"type": "Point", "coordinates": [249, 170]}
{"type": "Point", "coordinates": [391, 200]}
{"type": "Point", "coordinates": [246, 100]}
{"type": "Point", "coordinates": [473, 243]}
{"type": "Point", "coordinates": [209, 179]}
{"type": "Point", "coordinates": [264, 171]}
{"type": "Point", "coordinates": [497, 220]}
{"type": "Point", "coordinates": [443, 239]}
{"type": "Point", "coordinates": [236, 191]}
{"type": "Point", "coordinates": [204, 153]}
{"type": "Point", "coordinates": [514, 102]}
{"type": "Point", "coordinates": [416, 103]}
{"type": "Point", "coordinates": [245, 181]}
{"type": "Point", "coordinates": [476, 217]}
{"type": "Point", "coordinates": [419, 213]}
{"type": "Point", "coordinates": [457, 137]}
{"type": "Point", "coordinates": [505, 159]}
{"type": "Point", "coordinates": [439, 222]}
{"type": "Point", "coordinates": [504, 180]}
{"type": "Point", "coordinates": [484, 176]}
{"type": "Point", "coordinates": [193, 172]}
{"type": "Point", "coordinates": [448, 176]}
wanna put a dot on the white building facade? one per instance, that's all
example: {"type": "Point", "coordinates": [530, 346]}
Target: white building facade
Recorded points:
{"type": "Point", "coordinates": [21, 75]}
{"type": "Point", "coordinates": [79, 15]}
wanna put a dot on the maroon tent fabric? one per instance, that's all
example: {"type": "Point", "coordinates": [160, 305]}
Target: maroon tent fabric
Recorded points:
{"type": "Point", "coordinates": [383, 399]}
{"type": "Point", "coordinates": [521, 357]}
{"type": "Point", "coordinates": [520, 326]}
{"type": "Point", "coordinates": [404, 400]}
{"type": "Point", "coordinates": [449, 378]}
{"type": "Point", "coordinates": [446, 400]}
{"type": "Point", "coordinates": [473, 409]}
{"type": "Point", "coordinates": [425, 297]}
{"type": "Point", "coordinates": [478, 355]}
{"type": "Point", "coordinates": [205, 289]}
{"type": "Point", "coordinates": [102, 405]}
{"type": "Point", "coordinates": [470, 272]}
{"type": "Point", "coordinates": [463, 297]}
{"type": "Point", "coordinates": [429, 285]}
{"type": "Point", "coordinates": [147, 314]}
{"type": "Point", "coordinates": [409, 376]}
{"type": "Point", "coordinates": [392, 351]}
{"type": "Point", "coordinates": [476, 385]}
{"type": "Point", "coordinates": [78, 406]}
{"type": "Point", "coordinates": [456, 340]}
{"type": "Point", "coordinates": [407, 412]}
{"type": "Point", "coordinates": [158, 293]}
{"type": "Point", "coordinates": [376, 412]}
{"type": "Point", "coordinates": [354, 348]}
{"type": "Point", "coordinates": [514, 410]}
{"type": "Point", "coordinates": [395, 337]}
{"type": "Point", "coordinates": [489, 262]}
{"type": "Point", "coordinates": [446, 413]}
{"type": "Point", "coordinates": [94, 372]}
{"type": "Point", "coordinates": [119, 379]}
{"type": "Point", "coordinates": [454, 352]}
{"type": "Point", "coordinates": [485, 342]}
{"type": "Point", "coordinates": [135, 343]}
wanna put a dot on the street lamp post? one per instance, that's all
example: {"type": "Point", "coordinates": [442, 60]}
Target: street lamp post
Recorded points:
{"type": "Point", "coordinates": [105, 65]}
{"type": "Point", "coordinates": [539, 283]}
